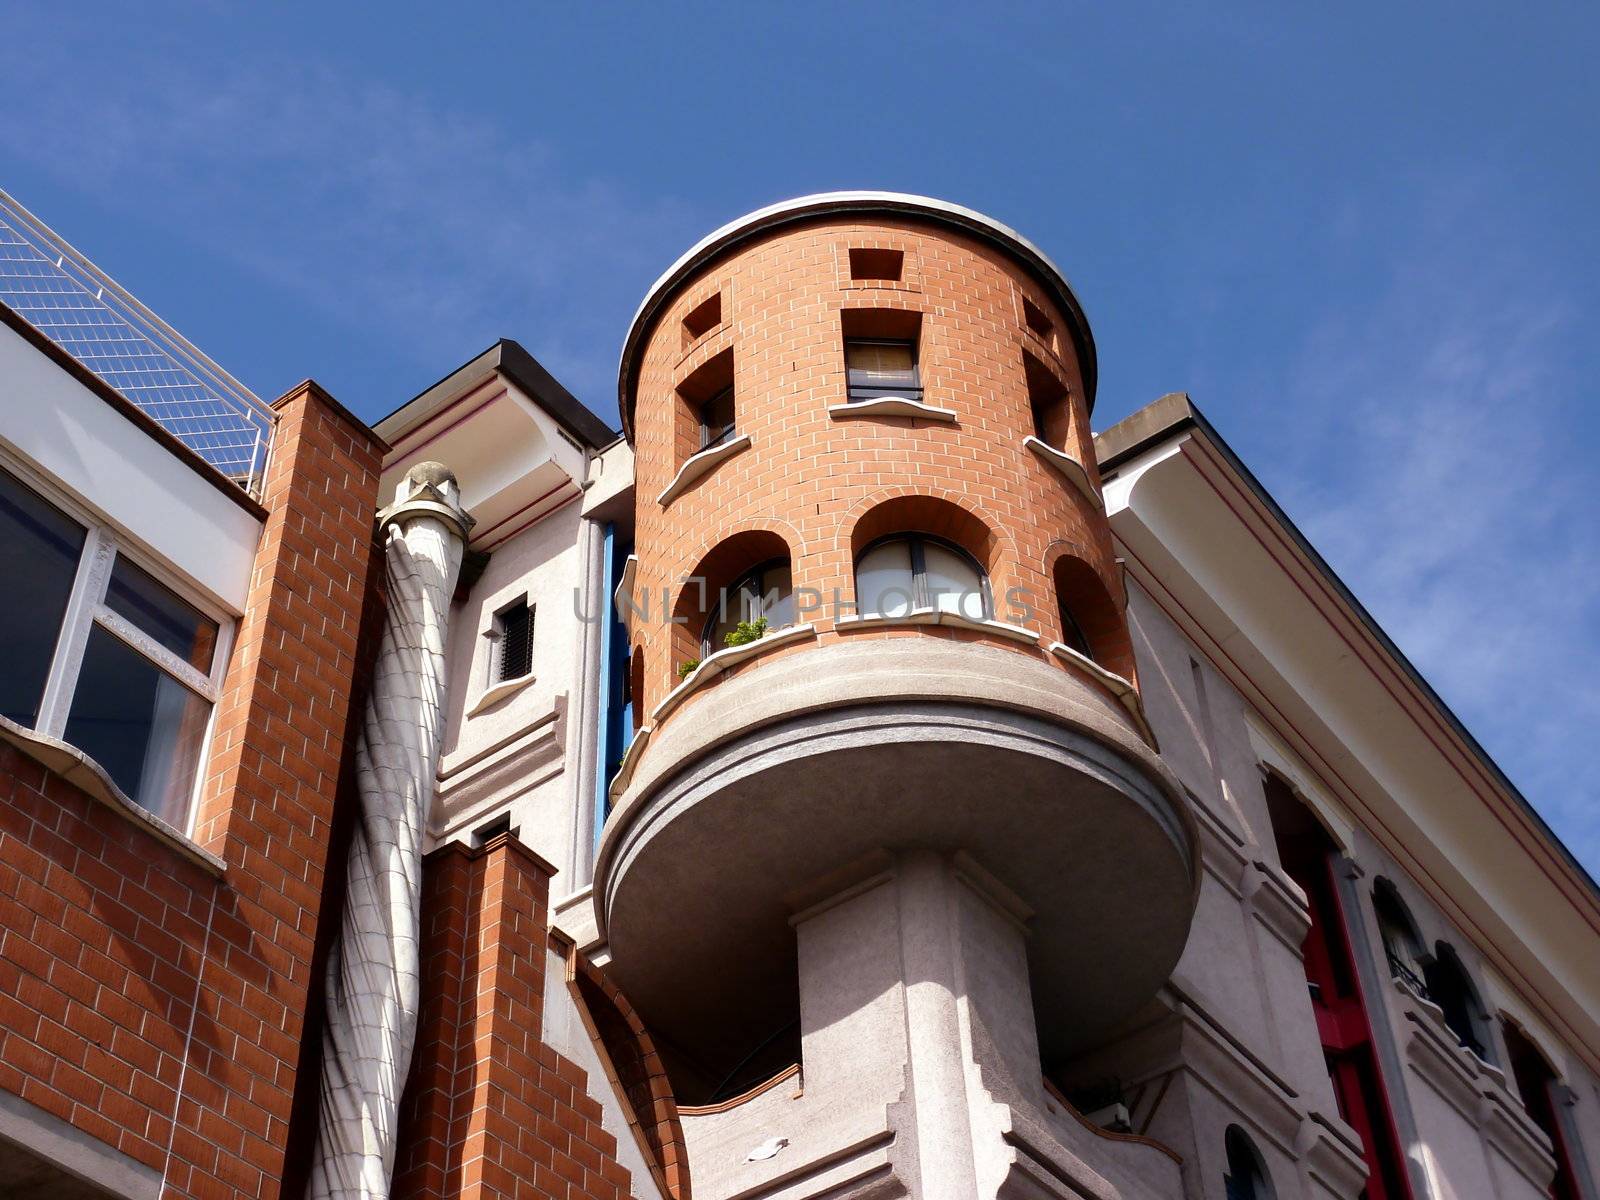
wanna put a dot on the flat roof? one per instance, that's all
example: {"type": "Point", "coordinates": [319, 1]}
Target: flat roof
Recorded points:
{"type": "Point", "coordinates": [824, 205]}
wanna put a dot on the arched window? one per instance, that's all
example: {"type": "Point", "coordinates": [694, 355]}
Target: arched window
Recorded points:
{"type": "Point", "coordinates": [1091, 624]}
{"type": "Point", "coordinates": [909, 572]}
{"type": "Point", "coordinates": [763, 593]}
{"type": "Point", "coordinates": [1450, 987]}
{"type": "Point", "coordinates": [1536, 1082]}
{"type": "Point", "coordinates": [1247, 1175]}
{"type": "Point", "coordinates": [1402, 944]}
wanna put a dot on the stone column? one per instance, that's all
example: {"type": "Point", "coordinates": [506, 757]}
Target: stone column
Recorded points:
{"type": "Point", "coordinates": [372, 982]}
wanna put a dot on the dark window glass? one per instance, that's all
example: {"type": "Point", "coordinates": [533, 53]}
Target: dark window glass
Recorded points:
{"type": "Point", "coordinates": [144, 727]}
{"type": "Point", "coordinates": [39, 551]}
{"type": "Point", "coordinates": [516, 641]}
{"type": "Point", "coordinates": [716, 419]}
{"type": "Point", "coordinates": [767, 591]}
{"type": "Point", "coordinates": [1072, 633]}
{"type": "Point", "coordinates": [158, 611]}
{"type": "Point", "coordinates": [1451, 990]}
{"type": "Point", "coordinates": [879, 367]}
{"type": "Point", "coordinates": [1245, 1180]}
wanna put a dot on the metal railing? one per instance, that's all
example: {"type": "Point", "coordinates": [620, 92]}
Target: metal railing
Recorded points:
{"type": "Point", "coordinates": [94, 319]}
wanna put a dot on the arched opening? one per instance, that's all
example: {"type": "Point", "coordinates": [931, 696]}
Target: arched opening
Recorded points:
{"type": "Point", "coordinates": [635, 679]}
{"type": "Point", "coordinates": [746, 577]}
{"type": "Point", "coordinates": [1091, 622]}
{"type": "Point", "coordinates": [1451, 988]}
{"type": "Point", "coordinates": [922, 553]}
{"type": "Point", "coordinates": [1536, 1081]}
{"type": "Point", "coordinates": [1247, 1177]}
{"type": "Point", "coordinates": [1307, 851]}
{"type": "Point", "coordinates": [1402, 943]}
{"type": "Point", "coordinates": [761, 600]}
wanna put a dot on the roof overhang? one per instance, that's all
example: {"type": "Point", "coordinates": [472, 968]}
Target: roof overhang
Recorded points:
{"type": "Point", "coordinates": [517, 441]}
{"type": "Point", "coordinates": [1205, 541]}
{"type": "Point", "coordinates": [829, 205]}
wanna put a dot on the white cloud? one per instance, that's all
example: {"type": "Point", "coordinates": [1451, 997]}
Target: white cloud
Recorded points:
{"type": "Point", "coordinates": [437, 230]}
{"type": "Point", "coordinates": [1433, 467]}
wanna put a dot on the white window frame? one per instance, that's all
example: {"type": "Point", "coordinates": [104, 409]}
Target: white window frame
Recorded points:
{"type": "Point", "coordinates": [86, 607]}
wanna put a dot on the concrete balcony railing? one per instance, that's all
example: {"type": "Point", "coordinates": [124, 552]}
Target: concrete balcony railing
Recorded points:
{"type": "Point", "coordinates": [783, 776]}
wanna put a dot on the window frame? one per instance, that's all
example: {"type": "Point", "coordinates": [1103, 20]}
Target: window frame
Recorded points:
{"type": "Point", "coordinates": [921, 601]}
{"type": "Point", "coordinates": [715, 616]}
{"type": "Point", "coordinates": [87, 607]}
{"type": "Point", "coordinates": [911, 391]}
{"type": "Point", "coordinates": [497, 636]}
{"type": "Point", "coordinates": [729, 431]}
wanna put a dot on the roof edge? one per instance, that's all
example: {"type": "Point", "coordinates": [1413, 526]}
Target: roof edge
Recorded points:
{"type": "Point", "coordinates": [826, 204]}
{"type": "Point", "coordinates": [1174, 414]}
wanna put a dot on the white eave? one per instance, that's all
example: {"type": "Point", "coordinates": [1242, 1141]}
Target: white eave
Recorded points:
{"type": "Point", "coordinates": [1203, 540]}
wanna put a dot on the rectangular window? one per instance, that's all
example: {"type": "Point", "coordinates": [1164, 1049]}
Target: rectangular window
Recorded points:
{"type": "Point", "coordinates": [103, 655]}
{"type": "Point", "coordinates": [879, 367]}
{"type": "Point", "coordinates": [877, 265]}
{"type": "Point", "coordinates": [515, 628]}
{"type": "Point", "coordinates": [707, 315]}
{"type": "Point", "coordinates": [716, 419]}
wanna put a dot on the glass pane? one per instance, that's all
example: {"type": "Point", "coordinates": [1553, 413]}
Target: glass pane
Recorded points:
{"type": "Point", "coordinates": [884, 581]}
{"type": "Point", "coordinates": [144, 727]}
{"type": "Point", "coordinates": [716, 417]}
{"type": "Point", "coordinates": [157, 610]}
{"type": "Point", "coordinates": [889, 365]}
{"type": "Point", "coordinates": [39, 551]}
{"type": "Point", "coordinates": [954, 584]}
{"type": "Point", "coordinates": [776, 599]}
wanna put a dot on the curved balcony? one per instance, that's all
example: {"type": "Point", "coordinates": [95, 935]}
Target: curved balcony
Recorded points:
{"type": "Point", "coordinates": [795, 768]}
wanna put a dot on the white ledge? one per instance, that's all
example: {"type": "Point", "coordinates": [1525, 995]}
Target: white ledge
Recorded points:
{"type": "Point", "coordinates": [892, 406]}
{"type": "Point", "coordinates": [506, 687]}
{"type": "Point", "coordinates": [715, 664]}
{"type": "Point", "coordinates": [1066, 465]}
{"type": "Point", "coordinates": [698, 465]}
{"type": "Point", "coordinates": [1116, 684]}
{"type": "Point", "coordinates": [622, 598]}
{"type": "Point", "coordinates": [90, 778]}
{"type": "Point", "coordinates": [938, 616]}
{"type": "Point", "coordinates": [630, 759]}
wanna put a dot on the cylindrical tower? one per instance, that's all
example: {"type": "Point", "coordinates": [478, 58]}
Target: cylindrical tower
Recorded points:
{"type": "Point", "coordinates": [861, 426]}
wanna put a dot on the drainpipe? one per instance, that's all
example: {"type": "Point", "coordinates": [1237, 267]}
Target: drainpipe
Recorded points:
{"type": "Point", "coordinates": [373, 976]}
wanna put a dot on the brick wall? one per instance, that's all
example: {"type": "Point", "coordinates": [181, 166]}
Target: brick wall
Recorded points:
{"type": "Point", "coordinates": [490, 1110]}
{"type": "Point", "coordinates": [153, 1003]}
{"type": "Point", "coordinates": [810, 478]}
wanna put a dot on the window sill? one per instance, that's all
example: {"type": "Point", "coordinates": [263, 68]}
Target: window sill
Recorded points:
{"type": "Point", "coordinates": [497, 693]}
{"type": "Point", "coordinates": [82, 772]}
{"type": "Point", "coordinates": [715, 664]}
{"type": "Point", "coordinates": [630, 759]}
{"type": "Point", "coordinates": [1119, 687]}
{"type": "Point", "coordinates": [1066, 465]}
{"type": "Point", "coordinates": [622, 598]}
{"type": "Point", "coordinates": [696, 466]}
{"type": "Point", "coordinates": [892, 406]}
{"type": "Point", "coordinates": [935, 616]}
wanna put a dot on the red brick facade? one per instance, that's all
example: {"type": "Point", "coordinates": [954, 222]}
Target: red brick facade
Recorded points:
{"type": "Point", "coordinates": [154, 1003]}
{"type": "Point", "coordinates": [814, 479]}
{"type": "Point", "coordinates": [490, 1109]}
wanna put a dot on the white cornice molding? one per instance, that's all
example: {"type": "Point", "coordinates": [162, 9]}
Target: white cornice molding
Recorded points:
{"type": "Point", "coordinates": [697, 466]}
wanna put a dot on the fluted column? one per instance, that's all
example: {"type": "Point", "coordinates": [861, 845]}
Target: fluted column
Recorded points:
{"type": "Point", "coordinates": [372, 981]}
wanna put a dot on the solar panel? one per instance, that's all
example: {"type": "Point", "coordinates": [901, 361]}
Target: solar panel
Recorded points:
{"type": "Point", "coordinates": [87, 314]}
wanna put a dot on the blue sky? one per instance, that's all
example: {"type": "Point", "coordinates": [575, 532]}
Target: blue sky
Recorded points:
{"type": "Point", "coordinates": [1364, 240]}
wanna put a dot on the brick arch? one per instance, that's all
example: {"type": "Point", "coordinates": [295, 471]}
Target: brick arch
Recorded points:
{"type": "Point", "coordinates": [718, 568]}
{"type": "Point", "coordinates": [1082, 594]}
{"type": "Point", "coordinates": [636, 1070]}
{"type": "Point", "coordinates": [925, 510]}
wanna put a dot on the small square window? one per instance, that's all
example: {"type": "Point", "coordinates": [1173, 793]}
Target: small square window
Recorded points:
{"type": "Point", "coordinates": [877, 265]}
{"type": "Point", "coordinates": [514, 627]}
{"type": "Point", "coordinates": [705, 317]}
{"type": "Point", "coordinates": [716, 419]}
{"type": "Point", "coordinates": [1033, 316]}
{"type": "Point", "coordinates": [882, 367]}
